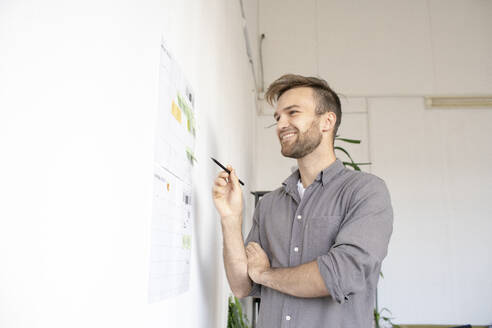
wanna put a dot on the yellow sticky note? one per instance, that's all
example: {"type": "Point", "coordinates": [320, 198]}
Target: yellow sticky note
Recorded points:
{"type": "Point", "coordinates": [176, 112]}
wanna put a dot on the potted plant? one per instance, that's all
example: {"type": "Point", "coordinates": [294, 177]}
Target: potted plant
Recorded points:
{"type": "Point", "coordinates": [236, 318]}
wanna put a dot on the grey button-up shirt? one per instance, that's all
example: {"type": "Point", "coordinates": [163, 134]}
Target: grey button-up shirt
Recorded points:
{"type": "Point", "coordinates": [344, 222]}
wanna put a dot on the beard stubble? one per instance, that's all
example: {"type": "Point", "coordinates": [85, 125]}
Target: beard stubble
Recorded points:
{"type": "Point", "coordinates": [305, 143]}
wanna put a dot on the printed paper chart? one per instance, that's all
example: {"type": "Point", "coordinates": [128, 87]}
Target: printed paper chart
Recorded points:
{"type": "Point", "coordinates": [172, 210]}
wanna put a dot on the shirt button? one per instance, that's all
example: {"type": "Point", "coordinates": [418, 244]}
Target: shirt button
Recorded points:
{"type": "Point", "coordinates": [287, 317]}
{"type": "Point", "coordinates": [296, 249]}
{"type": "Point", "coordinates": [299, 217]}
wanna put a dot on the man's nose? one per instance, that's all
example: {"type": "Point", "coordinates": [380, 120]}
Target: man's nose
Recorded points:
{"type": "Point", "coordinates": [282, 122]}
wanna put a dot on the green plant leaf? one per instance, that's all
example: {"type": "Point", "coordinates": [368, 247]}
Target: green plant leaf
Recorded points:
{"type": "Point", "coordinates": [349, 140]}
{"type": "Point", "coordinates": [353, 165]}
{"type": "Point", "coordinates": [346, 152]}
{"type": "Point", "coordinates": [236, 318]}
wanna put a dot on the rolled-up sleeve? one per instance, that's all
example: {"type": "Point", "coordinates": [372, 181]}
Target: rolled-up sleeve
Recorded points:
{"type": "Point", "coordinates": [254, 235]}
{"type": "Point", "coordinates": [354, 261]}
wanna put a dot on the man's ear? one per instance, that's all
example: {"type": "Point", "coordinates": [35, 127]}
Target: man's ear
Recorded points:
{"type": "Point", "coordinates": [328, 121]}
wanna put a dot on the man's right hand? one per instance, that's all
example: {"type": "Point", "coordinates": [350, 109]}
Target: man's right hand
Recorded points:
{"type": "Point", "coordinates": [227, 194]}
{"type": "Point", "coordinates": [228, 200]}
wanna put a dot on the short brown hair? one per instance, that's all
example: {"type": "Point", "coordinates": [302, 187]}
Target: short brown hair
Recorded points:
{"type": "Point", "coordinates": [326, 99]}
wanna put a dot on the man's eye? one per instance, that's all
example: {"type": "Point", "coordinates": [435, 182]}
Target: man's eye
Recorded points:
{"type": "Point", "coordinates": [293, 111]}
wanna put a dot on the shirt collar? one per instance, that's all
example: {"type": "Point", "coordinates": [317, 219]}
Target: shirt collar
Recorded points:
{"type": "Point", "coordinates": [290, 184]}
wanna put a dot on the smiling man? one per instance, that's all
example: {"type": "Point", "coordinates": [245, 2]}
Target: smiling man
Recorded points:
{"type": "Point", "coordinates": [315, 249]}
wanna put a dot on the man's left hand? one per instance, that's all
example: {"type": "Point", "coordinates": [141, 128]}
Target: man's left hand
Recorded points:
{"type": "Point", "coordinates": [258, 262]}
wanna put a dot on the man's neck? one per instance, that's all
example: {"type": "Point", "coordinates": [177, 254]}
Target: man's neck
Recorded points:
{"type": "Point", "coordinates": [313, 163]}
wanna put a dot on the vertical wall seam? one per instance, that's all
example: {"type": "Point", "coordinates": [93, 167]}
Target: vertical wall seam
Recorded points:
{"type": "Point", "coordinates": [433, 56]}
{"type": "Point", "coordinates": [369, 147]}
{"type": "Point", "coordinates": [316, 35]}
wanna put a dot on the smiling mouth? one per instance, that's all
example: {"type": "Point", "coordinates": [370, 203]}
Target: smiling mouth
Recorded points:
{"type": "Point", "coordinates": [287, 136]}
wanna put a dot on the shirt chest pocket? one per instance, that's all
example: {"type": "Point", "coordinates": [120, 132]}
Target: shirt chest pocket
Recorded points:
{"type": "Point", "coordinates": [320, 235]}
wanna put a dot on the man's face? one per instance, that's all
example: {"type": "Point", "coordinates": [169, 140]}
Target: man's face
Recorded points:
{"type": "Point", "coordinates": [298, 127]}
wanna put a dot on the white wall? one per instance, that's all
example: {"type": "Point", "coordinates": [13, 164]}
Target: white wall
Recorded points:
{"type": "Point", "coordinates": [78, 101]}
{"type": "Point", "coordinates": [439, 266]}
{"type": "Point", "coordinates": [383, 57]}
{"type": "Point", "coordinates": [383, 47]}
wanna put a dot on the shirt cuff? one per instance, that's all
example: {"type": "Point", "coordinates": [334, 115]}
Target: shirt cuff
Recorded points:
{"type": "Point", "coordinates": [331, 279]}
